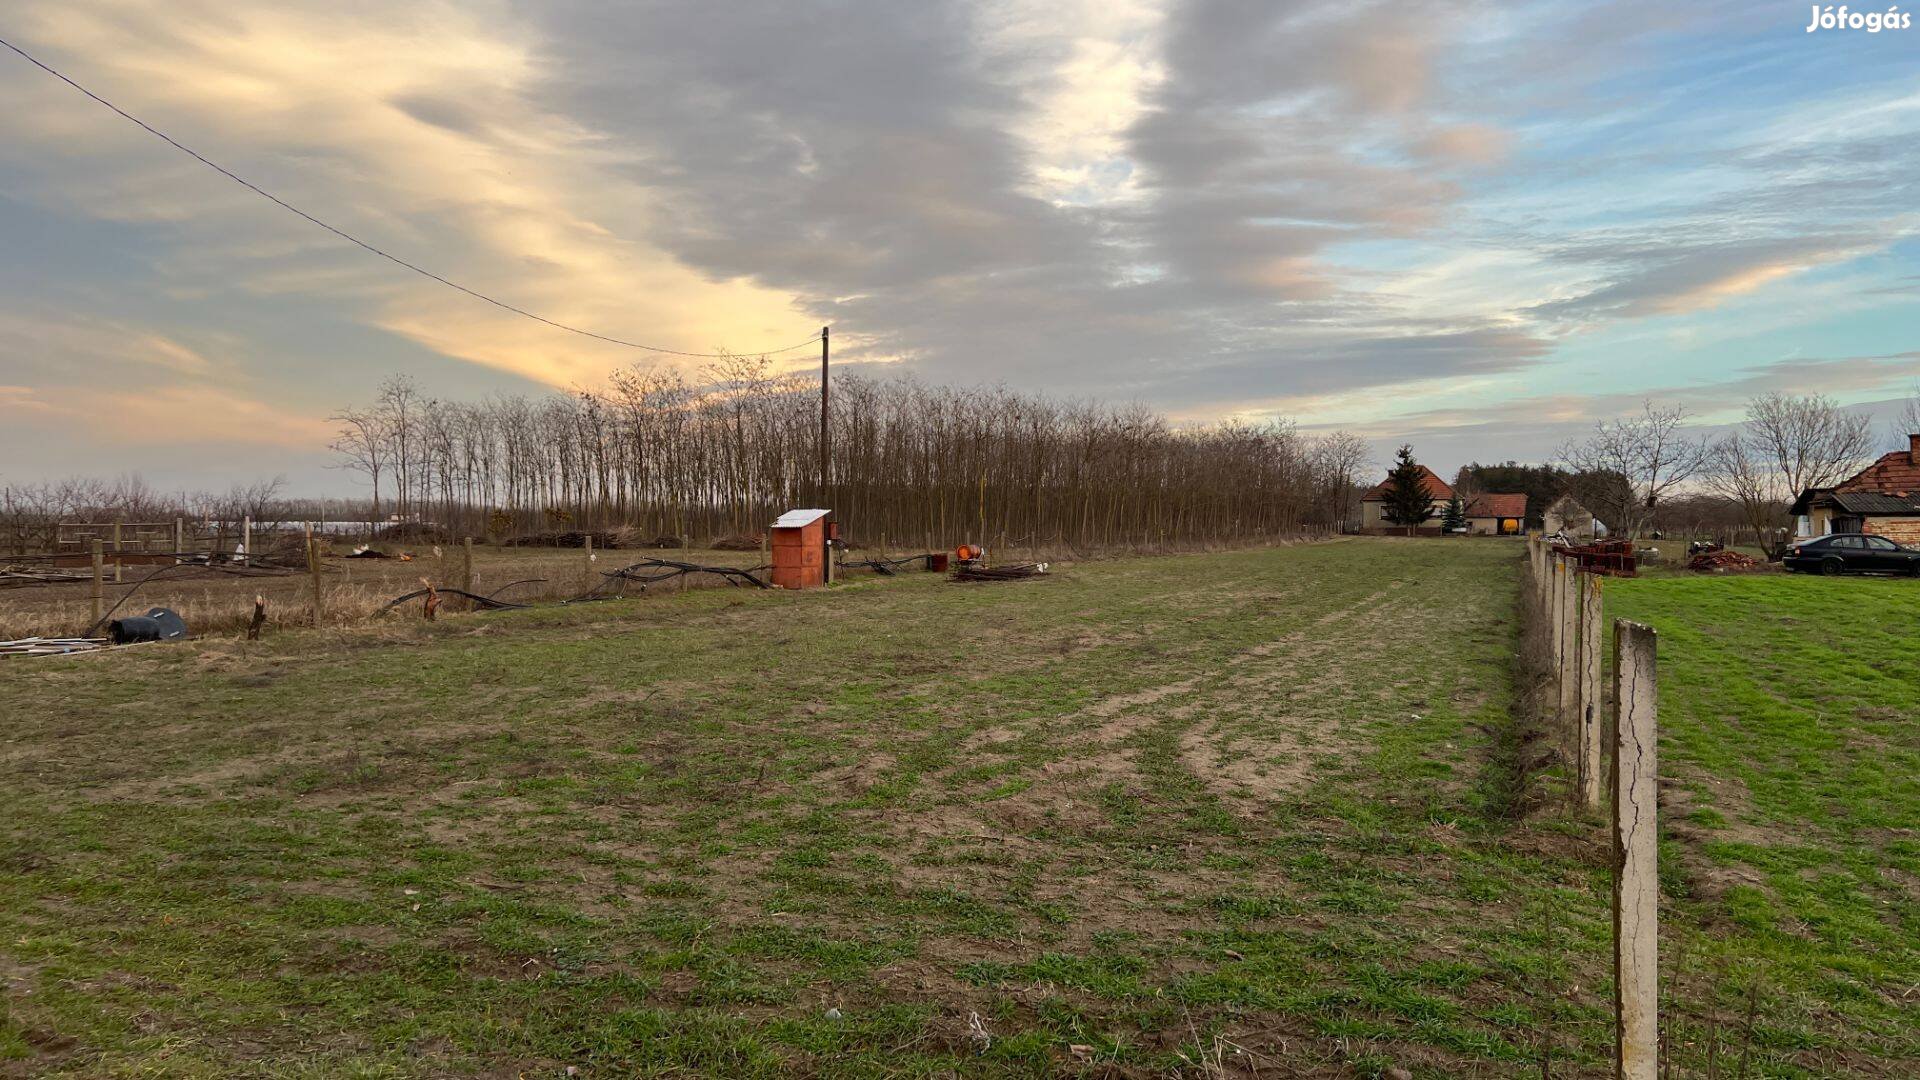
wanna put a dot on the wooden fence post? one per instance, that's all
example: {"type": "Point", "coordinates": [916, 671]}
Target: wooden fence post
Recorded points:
{"type": "Point", "coordinates": [1590, 697]}
{"type": "Point", "coordinates": [1636, 851]}
{"type": "Point", "coordinates": [99, 581]}
{"type": "Point", "coordinates": [179, 539]}
{"type": "Point", "coordinates": [586, 563]}
{"type": "Point", "coordinates": [313, 567]}
{"type": "Point", "coordinates": [116, 553]}
{"type": "Point", "coordinates": [246, 540]}
{"type": "Point", "coordinates": [466, 564]}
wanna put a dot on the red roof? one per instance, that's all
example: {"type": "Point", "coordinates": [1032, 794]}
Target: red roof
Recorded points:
{"type": "Point", "coordinates": [1897, 473]}
{"type": "Point", "coordinates": [1486, 505]}
{"type": "Point", "coordinates": [1437, 489]}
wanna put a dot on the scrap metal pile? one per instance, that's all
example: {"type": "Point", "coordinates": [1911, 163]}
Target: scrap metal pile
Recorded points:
{"type": "Point", "coordinates": [48, 646]}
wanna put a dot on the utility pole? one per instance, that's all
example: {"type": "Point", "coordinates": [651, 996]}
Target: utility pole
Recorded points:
{"type": "Point", "coordinates": [824, 447]}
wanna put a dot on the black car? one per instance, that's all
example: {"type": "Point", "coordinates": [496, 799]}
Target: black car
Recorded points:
{"type": "Point", "coordinates": [1852, 553]}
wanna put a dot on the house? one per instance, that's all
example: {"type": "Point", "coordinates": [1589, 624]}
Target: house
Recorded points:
{"type": "Point", "coordinates": [1883, 498]}
{"type": "Point", "coordinates": [1491, 515]}
{"type": "Point", "coordinates": [1373, 505]}
{"type": "Point", "coordinates": [1497, 515]}
{"type": "Point", "coordinates": [1566, 515]}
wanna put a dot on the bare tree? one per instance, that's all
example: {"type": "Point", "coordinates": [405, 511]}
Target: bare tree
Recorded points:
{"type": "Point", "coordinates": [1787, 445]}
{"type": "Point", "coordinates": [1810, 440]}
{"type": "Point", "coordinates": [362, 446]}
{"type": "Point", "coordinates": [1651, 451]}
{"type": "Point", "coordinates": [1907, 424]}
{"type": "Point", "coordinates": [1337, 457]}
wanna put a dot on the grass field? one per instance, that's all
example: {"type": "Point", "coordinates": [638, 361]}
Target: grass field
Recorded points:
{"type": "Point", "coordinates": [1790, 720]}
{"type": "Point", "coordinates": [1245, 813]}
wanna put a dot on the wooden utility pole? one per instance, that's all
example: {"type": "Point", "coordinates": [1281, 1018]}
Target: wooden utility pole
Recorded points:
{"type": "Point", "coordinates": [99, 581]}
{"type": "Point", "coordinates": [825, 446]}
{"type": "Point", "coordinates": [313, 567]}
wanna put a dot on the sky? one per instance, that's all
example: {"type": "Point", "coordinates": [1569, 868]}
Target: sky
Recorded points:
{"type": "Point", "coordinates": [1474, 227]}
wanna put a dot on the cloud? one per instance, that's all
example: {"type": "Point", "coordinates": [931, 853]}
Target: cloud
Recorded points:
{"type": "Point", "coordinates": [1218, 207]}
{"type": "Point", "coordinates": [1675, 280]}
{"type": "Point", "coordinates": [1478, 145]}
{"type": "Point", "coordinates": [26, 399]}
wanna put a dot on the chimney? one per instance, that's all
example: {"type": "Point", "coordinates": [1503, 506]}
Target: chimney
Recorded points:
{"type": "Point", "coordinates": [1913, 449]}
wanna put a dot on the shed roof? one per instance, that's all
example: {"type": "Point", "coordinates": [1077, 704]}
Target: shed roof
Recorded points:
{"type": "Point", "coordinates": [1872, 502]}
{"type": "Point", "coordinates": [794, 519]}
{"type": "Point", "coordinates": [1489, 505]}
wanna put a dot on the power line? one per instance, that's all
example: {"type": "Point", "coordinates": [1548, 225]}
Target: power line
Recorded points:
{"type": "Point", "coordinates": [350, 238]}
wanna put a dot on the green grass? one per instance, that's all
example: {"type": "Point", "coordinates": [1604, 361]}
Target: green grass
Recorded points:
{"type": "Point", "coordinates": [1790, 724]}
{"type": "Point", "coordinates": [1144, 816]}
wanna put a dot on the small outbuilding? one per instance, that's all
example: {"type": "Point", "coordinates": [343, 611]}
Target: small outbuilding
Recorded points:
{"type": "Point", "coordinates": [1494, 514]}
{"type": "Point", "coordinates": [799, 543]}
{"type": "Point", "coordinates": [1566, 515]}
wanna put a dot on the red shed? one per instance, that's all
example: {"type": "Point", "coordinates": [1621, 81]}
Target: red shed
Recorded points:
{"type": "Point", "coordinates": [800, 549]}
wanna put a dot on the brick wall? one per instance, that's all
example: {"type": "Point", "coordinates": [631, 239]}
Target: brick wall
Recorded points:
{"type": "Point", "coordinates": [1901, 530]}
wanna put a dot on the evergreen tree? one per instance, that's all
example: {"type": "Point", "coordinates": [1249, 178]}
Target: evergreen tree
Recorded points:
{"type": "Point", "coordinates": [1408, 502]}
{"type": "Point", "coordinates": [1455, 515]}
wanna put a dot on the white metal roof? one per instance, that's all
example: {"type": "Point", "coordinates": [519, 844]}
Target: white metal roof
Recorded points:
{"type": "Point", "coordinates": [794, 519]}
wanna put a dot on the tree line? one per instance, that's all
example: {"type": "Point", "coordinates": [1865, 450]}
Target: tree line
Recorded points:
{"type": "Point", "coordinates": [727, 450]}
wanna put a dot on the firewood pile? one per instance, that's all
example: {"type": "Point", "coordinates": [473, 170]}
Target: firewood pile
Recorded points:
{"type": "Point", "coordinates": [973, 571]}
{"type": "Point", "coordinates": [1721, 560]}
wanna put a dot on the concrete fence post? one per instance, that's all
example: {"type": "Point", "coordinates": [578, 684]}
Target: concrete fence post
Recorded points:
{"type": "Point", "coordinates": [1636, 840]}
{"type": "Point", "coordinates": [1590, 697]}
{"type": "Point", "coordinates": [1569, 658]}
{"type": "Point", "coordinates": [1551, 607]}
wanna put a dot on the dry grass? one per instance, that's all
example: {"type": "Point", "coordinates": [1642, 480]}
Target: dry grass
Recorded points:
{"type": "Point", "coordinates": [353, 591]}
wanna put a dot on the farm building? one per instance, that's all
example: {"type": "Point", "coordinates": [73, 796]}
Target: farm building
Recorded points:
{"type": "Point", "coordinates": [1373, 505]}
{"type": "Point", "coordinates": [1566, 515]}
{"type": "Point", "coordinates": [1497, 515]}
{"type": "Point", "coordinates": [1492, 515]}
{"type": "Point", "coordinates": [1883, 498]}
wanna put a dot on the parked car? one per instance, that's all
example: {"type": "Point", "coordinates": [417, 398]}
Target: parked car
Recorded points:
{"type": "Point", "coordinates": [1852, 553]}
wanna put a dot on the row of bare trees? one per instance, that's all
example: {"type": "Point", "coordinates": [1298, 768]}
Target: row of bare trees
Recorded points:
{"type": "Point", "coordinates": [658, 451]}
